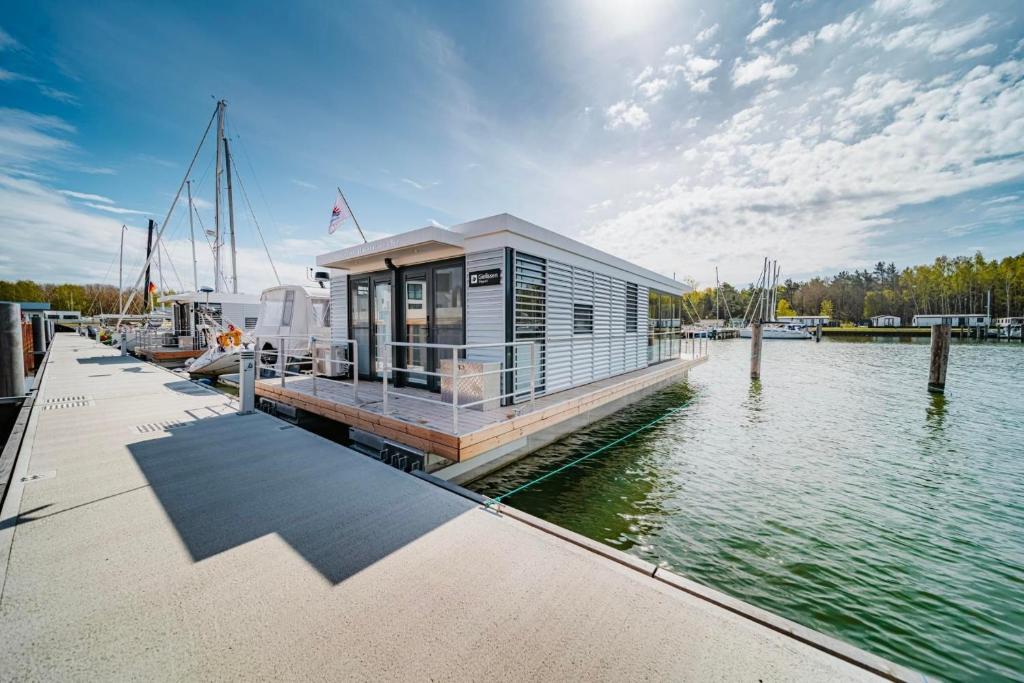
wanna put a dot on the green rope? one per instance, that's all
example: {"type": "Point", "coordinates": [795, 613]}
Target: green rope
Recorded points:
{"type": "Point", "coordinates": [495, 501]}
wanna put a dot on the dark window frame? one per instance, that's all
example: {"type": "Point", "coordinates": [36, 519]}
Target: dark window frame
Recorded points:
{"type": "Point", "coordinates": [582, 320]}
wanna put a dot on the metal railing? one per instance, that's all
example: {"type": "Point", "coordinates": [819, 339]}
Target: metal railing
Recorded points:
{"type": "Point", "coordinates": [283, 357]}
{"type": "Point", "coordinates": [456, 375]}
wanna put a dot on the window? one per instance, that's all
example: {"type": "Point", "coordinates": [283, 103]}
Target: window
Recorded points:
{"type": "Point", "coordinates": [250, 323]}
{"type": "Point", "coordinates": [582, 319]}
{"type": "Point", "coordinates": [632, 302]}
{"type": "Point", "coordinates": [286, 312]}
{"type": "Point", "coordinates": [322, 313]}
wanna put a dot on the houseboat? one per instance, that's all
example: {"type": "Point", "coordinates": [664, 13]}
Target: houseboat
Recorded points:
{"type": "Point", "coordinates": [194, 322]}
{"type": "Point", "coordinates": [953, 320]}
{"type": "Point", "coordinates": [458, 349]}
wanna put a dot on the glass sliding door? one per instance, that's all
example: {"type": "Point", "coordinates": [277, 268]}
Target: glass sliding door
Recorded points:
{"type": "Point", "coordinates": [360, 321]}
{"type": "Point", "coordinates": [382, 325]}
{"type": "Point", "coordinates": [417, 330]}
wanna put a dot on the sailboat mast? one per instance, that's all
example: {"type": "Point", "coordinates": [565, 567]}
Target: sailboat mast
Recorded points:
{"type": "Point", "coordinates": [231, 220]}
{"type": "Point", "coordinates": [120, 273]}
{"type": "Point", "coordinates": [216, 197]}
{"type": "Point", "coordinates": [717, 288]}
{"type": "Point", "coordinates": [192, 236]}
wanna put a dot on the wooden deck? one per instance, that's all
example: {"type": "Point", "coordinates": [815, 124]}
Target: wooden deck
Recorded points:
{"type": "Point", "coordinates": [166, 354]}
{"type": "Point", "coordinates": [428, 426]}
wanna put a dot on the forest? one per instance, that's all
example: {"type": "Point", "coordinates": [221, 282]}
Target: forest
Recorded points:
{"type": "Point", "coordinates": [948, 285]}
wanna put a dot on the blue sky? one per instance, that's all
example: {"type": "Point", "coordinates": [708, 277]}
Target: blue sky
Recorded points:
{"type": "Point", "coordinates": [681, 135]}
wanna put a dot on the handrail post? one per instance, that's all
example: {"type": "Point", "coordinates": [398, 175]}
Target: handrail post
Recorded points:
{"type": "Point", "coordinates": [312, 356]}
{"type": "Point", "coordinates": [384, 373]}
{"type": "Point", "coordinates": [280, 359]}
{"type": "Point", "coordinates": [355, 368]}
{"type": "Point", "coordinates": [455, 390]}
{"type": "Point", "coordinates": [533, 375]}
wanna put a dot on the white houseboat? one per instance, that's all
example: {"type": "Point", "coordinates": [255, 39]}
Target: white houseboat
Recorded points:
{"type": "Point", "coordinates": [549, 334]}
{"type": "Point", "coordinates": [954, 320]}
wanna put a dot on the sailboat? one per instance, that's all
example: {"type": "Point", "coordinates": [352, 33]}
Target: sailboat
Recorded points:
{"type": "Point", "coordinates": [764, 305]}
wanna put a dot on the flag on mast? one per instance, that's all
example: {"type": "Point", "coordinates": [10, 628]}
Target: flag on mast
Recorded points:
{"type": "Point", "coordinates": [341, 213]}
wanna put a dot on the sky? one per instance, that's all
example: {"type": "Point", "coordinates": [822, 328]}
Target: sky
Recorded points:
{"type": "Point", "coordinates": [681, 135]}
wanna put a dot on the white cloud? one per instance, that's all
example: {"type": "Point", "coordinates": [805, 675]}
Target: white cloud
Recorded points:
{"type": "Point", "coordinates": [842, 30]}
{"type": "Point", "coordinates": [907, 8]}
{"type": "Point", "coordinates": [412, 183]}
{"type": "Point", "coordinates": [706, 34]}
{"type": "Point", "coordinates": [86, 196]}
{"type": "Point", "coordinates": [625, 114]}
{"type": "Point", "coordinates": [25, 136]}
{"type": "Point", "coordinates": [765, 10]}
{"type": "Point", "coordinates": [976, 52]}
{"type": "Point", "coordinates": [750, 189]}
{"type": "Point", "coordinates": [7, 42]}
{"type": "Point", "coordinates": [303, 183]}
{"type": "Point", "coordinates": [935, 40]}
{"type": "Point", "coordinates": [762, 29]}
{"type": "Point", "coordinates": [56, 94]}
{"type": "Point", "coordinates": [801, 44]}
{"type": "Point", "coordinates": [693, 68]}
{"type": "Point", "coordinates": [654, 88]}
{"type": "Point", "coordinates": [764, 67]}
{"type": "Point", "coordinates": [117, 209]}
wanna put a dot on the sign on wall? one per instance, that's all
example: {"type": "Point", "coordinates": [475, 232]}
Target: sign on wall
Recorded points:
{"type": "Point", "coordinates": [485, 278]}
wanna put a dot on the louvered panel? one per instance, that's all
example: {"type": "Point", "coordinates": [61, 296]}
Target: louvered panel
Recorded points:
{"type": "Point", "coordinates": [582, 347]}
{"type": "Point", "coordinates": [618, 326]}
{"type": "Point", "coordinates": [558, 357]}
{"type": "Point", "coordinates": [638, 341]}
{"type": "Point", "coordinates": [530, 321]}
{"type": "Point", "coordinates": [602, 326]}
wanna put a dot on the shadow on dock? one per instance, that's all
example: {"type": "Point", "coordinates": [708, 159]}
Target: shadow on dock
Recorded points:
{"type": "Point", "coordinates": [224, 481]}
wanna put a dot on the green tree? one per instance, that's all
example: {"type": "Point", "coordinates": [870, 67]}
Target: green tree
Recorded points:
{"type": "Point", "coordinates": [826, 308]}
{"type": "Point", "coordinates": [783, 309]}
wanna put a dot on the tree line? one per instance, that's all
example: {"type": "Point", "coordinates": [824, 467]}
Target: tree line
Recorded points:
{"type": "Point", "coordinates": [947, 286]}
{"type": "Point", "coordinates": [91, 299]}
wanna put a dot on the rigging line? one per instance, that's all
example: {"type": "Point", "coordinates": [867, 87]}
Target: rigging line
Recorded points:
{"type": "Point", "coordinates": [256, 179]}
{"type": "Point", "coordinates": [173, 268]}
{"type": "Point", "coordinates": [177, 196]}
{"type": "Point", "coordinates": [209, 244]}
{"type": "Point", "coordinates": [245, 195]}
{"type": "Point", "coordinates": [96, 292]}
{"type": "Point", "coordinates": [602, 449]}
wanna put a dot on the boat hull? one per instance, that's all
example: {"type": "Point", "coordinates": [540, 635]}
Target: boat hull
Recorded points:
{"type": "Point", "coordinates": [776, 333]}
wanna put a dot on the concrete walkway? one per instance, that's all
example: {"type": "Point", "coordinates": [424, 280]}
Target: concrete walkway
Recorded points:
{"type": "Point", "coordinates": [164, 537]}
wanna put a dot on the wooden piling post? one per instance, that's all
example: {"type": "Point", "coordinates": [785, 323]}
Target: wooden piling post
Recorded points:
{"type": "Point", "coordinates": [755, 350]}
{"type": "Point", "coordinates": [12, 357]}
{"type": "Point", "coordinates": [817, 334]}
{"type": "Point", "coordinates": [939, 358]}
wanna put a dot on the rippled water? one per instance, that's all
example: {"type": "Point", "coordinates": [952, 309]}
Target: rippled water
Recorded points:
{"type": "Point", "coordinates": [837, 493]}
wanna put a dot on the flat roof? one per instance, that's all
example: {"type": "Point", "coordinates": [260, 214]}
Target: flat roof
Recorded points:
{"type": "Point", "coordinates": [214, 298]}
{"type": "Point", "coordinates": [429, 236]}
{"type": "Point", "coordinates": [424, 239]}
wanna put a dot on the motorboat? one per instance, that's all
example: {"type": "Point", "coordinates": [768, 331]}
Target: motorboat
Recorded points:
{"type": "Point", "coordinates": [289, 315]}
{"type": "Point", "coordinates": [779, 331]}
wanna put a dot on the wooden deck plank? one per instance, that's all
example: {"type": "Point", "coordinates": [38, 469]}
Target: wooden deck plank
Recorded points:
{"type": "Point", "coordinates": [428, 426]}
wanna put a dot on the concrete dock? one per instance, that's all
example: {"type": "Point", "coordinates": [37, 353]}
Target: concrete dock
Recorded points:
{"type": "Point", "coordinates": [152, 533]}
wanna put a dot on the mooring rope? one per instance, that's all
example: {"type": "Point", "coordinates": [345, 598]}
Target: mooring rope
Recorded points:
{"type": "Point", "coordinates": [498, 499]}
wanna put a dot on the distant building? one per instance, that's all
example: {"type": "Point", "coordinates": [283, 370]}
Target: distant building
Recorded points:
{"type": "Point", "coordinates": [71, 316]}
{"type": "Point", "coordinates": [955, 320]}
{"type": "Point", "coordinates": [885, 321]}
{"type": "Point", "coordinates": [31, 309]}
{"type": "Point", "coordinates": [805, 320]}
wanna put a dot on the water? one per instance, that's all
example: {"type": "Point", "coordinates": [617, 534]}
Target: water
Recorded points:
{"type": "Point", "coordinates": [837, 493]}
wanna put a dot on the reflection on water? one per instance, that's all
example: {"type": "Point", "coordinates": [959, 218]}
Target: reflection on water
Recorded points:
{"type": "Point", "coordinates": [935, 414]}
{"type": "Point", "coordinates": [836, 492]}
